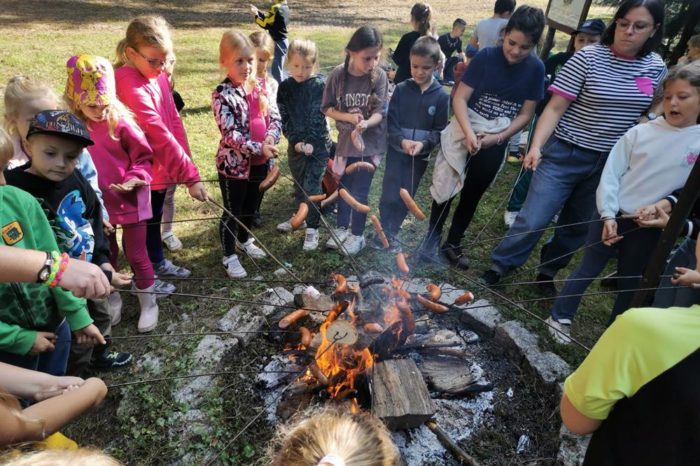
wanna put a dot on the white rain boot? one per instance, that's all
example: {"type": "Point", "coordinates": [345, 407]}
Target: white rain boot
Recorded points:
{"type": "Point", "coordinates": [115, 307]}
{"type": "Point", "coordinates": [149, 310]}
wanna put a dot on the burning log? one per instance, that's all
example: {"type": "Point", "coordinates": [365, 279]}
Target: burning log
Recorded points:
{"type": "Point", "coordinates": [399, 395]}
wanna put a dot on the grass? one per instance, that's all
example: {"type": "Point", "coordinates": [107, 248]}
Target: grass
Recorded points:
{"type": "Point", "coordinates": [36, 39]}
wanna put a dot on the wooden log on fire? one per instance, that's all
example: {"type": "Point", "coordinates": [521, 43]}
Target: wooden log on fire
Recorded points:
{"type": "Point", "coordinates": [400, 397]}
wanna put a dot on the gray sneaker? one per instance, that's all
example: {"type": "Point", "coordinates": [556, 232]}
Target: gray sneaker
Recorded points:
{"type": "Point", "coordinates": [160, 288]}
{"type": "Point", "coordinates": [560, 330]}
{"type": "Point", "coordinates": [341, 234]}
{"type": "Point", "coordinates": [311, 240]}
{"type": "Point", "coordinates": [168, 269]}
{"type": "Point", "coordinates": [286, 226]}
{"type": "Point", "coordinates": [353, 245]}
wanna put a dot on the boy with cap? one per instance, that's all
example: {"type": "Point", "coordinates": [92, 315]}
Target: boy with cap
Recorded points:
{"type": "Point", "coordinates": [54, 141]}
{"type": "Point", "coordinates": [36, 318]}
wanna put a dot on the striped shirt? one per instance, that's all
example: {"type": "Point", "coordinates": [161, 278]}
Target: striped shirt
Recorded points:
{"type": "Point", "coordinates": [608, 93]}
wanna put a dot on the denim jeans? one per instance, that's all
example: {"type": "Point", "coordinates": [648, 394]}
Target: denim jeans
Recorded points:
{"type": "Point", "coordinates": [683, 296]}
{"type": "Point", "coordinates": [50, 362]}
{"type": "Point", "coordinates": [566, 179]}
{"type": "Point", "coordinates": [358, 184]}
{"type": "Point", "coordinates": [277, 68]}
{"type": "Point", "coordinates": [402, 171]}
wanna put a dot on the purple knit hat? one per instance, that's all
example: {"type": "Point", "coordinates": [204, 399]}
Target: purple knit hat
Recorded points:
{"type": "Point", "coordinates": [90, 80]}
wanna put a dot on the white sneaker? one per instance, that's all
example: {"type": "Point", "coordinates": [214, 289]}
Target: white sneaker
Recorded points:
{"type": "Point", "coordinates": [171, 241]}
{"type": "Point", "coordinates": [311, 239]}
{"type": "Point", "coordinates": [115, 307]}
{"type": "Point", "coordinates": [251, 249]}
{"type": "Point", "coordinates": [353, 245]}
{"type": "Point", "coordinates": [509, 218]}
{"type": "Point", "coordinates": [286, 227]}
{"type": "Point", "coordinates": [339, 234]}
{"type": "Point", "coordinates": [560, 330]}
{"type": "Point", "coordinates": [234, 269]}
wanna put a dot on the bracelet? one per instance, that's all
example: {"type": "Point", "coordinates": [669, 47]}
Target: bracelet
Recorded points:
{"type": "Point", "coordinates": [61, 268]}
{"type": "Point", "coordinates": [55, 264]}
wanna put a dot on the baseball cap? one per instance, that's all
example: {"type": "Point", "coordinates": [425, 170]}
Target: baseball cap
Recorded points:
{"type": "Point", "coordinates": [60, 123]}
{"type": "Point", "coordinates": [594, 27]}
{"type": "Point", "coordinates": [90, 80]}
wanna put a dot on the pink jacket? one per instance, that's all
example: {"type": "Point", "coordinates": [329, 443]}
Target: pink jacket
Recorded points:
{"type": "Point", "coordinates": [118, 161]}
{"type": "Point", "coordinates": [152, 103]}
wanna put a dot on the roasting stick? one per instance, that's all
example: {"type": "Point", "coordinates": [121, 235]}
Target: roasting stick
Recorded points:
{"type": "Point", "coordinates": [450, 444]}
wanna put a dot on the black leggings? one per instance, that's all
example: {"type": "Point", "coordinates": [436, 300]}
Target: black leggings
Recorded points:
{"type": "Point", "coordinates": [481, 171]}
{"type": "Point", "coordinates": [241, 199]}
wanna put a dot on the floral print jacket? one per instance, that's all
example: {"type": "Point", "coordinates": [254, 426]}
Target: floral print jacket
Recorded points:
{"type": "Point", "coordinates": [236, 149]}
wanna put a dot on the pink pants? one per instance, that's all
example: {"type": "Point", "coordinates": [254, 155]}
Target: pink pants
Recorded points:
{"type": "Point", "coordinates": [134, 244]}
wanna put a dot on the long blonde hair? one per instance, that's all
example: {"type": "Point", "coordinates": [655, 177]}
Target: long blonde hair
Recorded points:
{"type": "Point", "coordinates": [7, 150]}
{"type": "Point", "coordinates": [145, 31]}
{"type": "Point", "coordinates": [262, 40]}
{"type": "Point", "coordinates": [357, 439]}
{"type": "Point", "coordinates": [18, 91]}
{"type": "Point", "coordinates": [233, 40]}
{"type": "Point", "coordinates": [79, 457]}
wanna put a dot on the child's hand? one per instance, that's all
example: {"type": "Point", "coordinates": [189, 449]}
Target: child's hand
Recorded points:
{"type": "Point", "coordinates": [254, 10]}
{"type": "Point", "coordinates": [89, 335]}
{"type": "Point", "coordinates": [45, 341]}
{"type": "Point", "coordinates": [686, 277]}
{"type": "Point", "coordinates": [411, 148]}
{"type": "Point", "coordinates": [659, 219]}
{"type": "Point", "coordinates": [107, 227]}
{"type": "Point", "coordinates": [362, 125]}
{"type": "Point", "coordinates": [304, 148]}
{"type": "Point", "coordinates": [85, 279]}
{"type": "Point", "coordinates": [128, 186]}
{"type": "Point", "coordinates": [118, 279]}
{"type": "Point", "coordinates": [471, 142]}
{"type": "Point", "coordinates": [354, 118]}
{"type": "Point", "coordinates": [198, 191]}
{"type": "Point", "coordinates": [487, 140]}
{"type": "Point", "coordinates": [609, 235]}
{"type": "Point", "coordinates": [270, 151]}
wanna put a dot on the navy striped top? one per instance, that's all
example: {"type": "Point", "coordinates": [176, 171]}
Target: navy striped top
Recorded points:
{"type": "Point", "coordinates": [608, 93]}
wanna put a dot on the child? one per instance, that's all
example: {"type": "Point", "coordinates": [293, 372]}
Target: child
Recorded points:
{"type": "Point", "coordinates": [264, 50]}
{"type": "Point", "coordinates": [420, 20]}
{"type": "Point", "coordinates": [650, 160]}
{"type": "Point", "coordinates": [73, 211]}
{"type": "Point", "coordinates": [306, 129]}
{"type": "Point", "coordinates": [417, 114]}
{"type": "Point", "coordinates": [275, 22]}
{"type": "Point", "coordinates": [35, 318]}
{"type": "Point", "coordinates": [250, 128]}
{"type": "Point", "coordinates": [355, 97]}
{"type": "Point", "coordinates": [500, 82]}
{"type": "Point", "coordinates": [489, 32]}
{"type": "Point", "coordinates": [333, 437]}
{"type": "Point", "coordinates": [693, 52]}
{"type": "Point", "coordinates": [143, 87]}
{"type": "Point", "coordinates": [124, 158]}
{"type": "Point", "coordinates": [451, 42]}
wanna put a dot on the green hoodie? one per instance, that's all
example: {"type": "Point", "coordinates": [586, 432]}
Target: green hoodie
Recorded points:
{"type": "Point", "coordinates": [26, 308]}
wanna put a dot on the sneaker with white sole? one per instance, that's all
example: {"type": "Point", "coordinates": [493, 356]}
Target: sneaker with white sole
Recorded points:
{"type": "Point", "coordinates": [168, 269]}
{"type": "Point", "coordinates": [311, 239]}
{"type": "Point", "coordinates": [250, 249]}
{"type": "Point", "coordinates": [337, 238]}
{"type": "Point", "coordinates": [160, 288]}
{"type": "Point", "coordinates": [234, 269]}
{"type": "Point", "coordinates": [509, 218]}
{"type": "Point", "coordinates": [560, 330]}
{"type": "Point", "coordinates": [286, 227]}
{"type": "Point", "coordinates": [172, 242]}
{"type": "Point", "coordinates": [353, 245]}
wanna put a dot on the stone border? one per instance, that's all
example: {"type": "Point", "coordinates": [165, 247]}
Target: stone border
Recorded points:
{"type": "Point", "coordinates": [522, 345]}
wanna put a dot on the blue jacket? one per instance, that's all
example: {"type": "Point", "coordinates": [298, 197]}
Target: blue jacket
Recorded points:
{"type": "Point", "coordinates": [418, 116]}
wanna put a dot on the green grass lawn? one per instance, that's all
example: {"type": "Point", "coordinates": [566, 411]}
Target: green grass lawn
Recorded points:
{"type": "Point", "coordinates": [41, 48]}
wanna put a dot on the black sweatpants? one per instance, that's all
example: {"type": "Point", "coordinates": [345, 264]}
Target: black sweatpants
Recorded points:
{"type": "Point", "coordinates": [241, 199]}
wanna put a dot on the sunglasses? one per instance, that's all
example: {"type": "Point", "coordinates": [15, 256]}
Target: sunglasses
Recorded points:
{"type": "Point", "coordinates": [157, 63]}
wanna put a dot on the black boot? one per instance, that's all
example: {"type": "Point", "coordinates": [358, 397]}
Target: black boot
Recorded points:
{"type": "Point", "coordinates": [455, 256]}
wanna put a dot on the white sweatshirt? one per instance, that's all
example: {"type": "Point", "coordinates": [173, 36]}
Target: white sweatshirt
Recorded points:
{"type": "Point", "coordinates": [649, 162]}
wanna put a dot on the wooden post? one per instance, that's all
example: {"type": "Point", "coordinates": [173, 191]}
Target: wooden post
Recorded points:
{"type": "Point", "coordinates": [680, 213]}
{"type": "Point", "coordinates": [548, 43]}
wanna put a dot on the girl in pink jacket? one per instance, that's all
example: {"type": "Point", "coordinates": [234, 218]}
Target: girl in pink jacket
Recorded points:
{"type": "Point", "coordinates": [142, 56]}
{"type": "Point", "coordinates": [123, 160]}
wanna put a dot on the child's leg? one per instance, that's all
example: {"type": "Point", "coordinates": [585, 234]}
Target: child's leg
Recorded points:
{"type": "Point", "coordinates": [55, 362]}
{"type": "Point", "coordinates": [359, 183]}
{"type": "Point", "coordinates": [315, 167]}
{"type": "Point", "coordinates": [168, 210]}
{"type": "Point", "coordinates": [233, 194]}
{"type": "Point", "coordinates": [297, 167]}
{"type": "Point", "coordinates": [250, 200]}
{"type": "Point", "coordinates": [80, 356]}
{"type": "Point", "coordinates": [153, 238]}
{"type": "Point", "coordinates": [134, 241]}
{"type": "Point", "coordinates": [390, 200]}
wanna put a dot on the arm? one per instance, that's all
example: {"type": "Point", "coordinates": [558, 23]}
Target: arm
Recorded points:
{"type": "Point", "coordinates": [394, 133]}
{"type": "Point", "coordinates": [609, 187]}
{"type": "Point", "coordinates": [274, 127]}
{"type": "Point", "coordinates": [329, 100]}
{"type": "Point", "coordinates": [439, 124]}
{"type": "Point", "coordinates": [459, 104]}
{"type": "Point", "coordinates": [316, 124]}
{"type": "Point", "coordinates": [519, 122]}
{"type": "Point", "coordinates": [233, 133]}
{"type": "Point", "coordinates": [576, 422]}
{"type": "Point", "coordinates": [27, 384]}
{"type": "Point", "coordinates": [689, 277]}
{"type": "Point", "coordinates": [545, 127]}
{"type": "Point", "coordinates": [264, 20]}
{"type": "Point", "coordinates": [86, 167]}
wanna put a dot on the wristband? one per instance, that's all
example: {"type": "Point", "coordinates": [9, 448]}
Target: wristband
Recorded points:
{"type": "Point", "coordinates": [55, 264]}
{"type": "Point", "coordinates": [61, 268]}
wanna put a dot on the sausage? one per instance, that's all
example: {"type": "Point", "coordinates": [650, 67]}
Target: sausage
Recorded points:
{"type": "Point", "coordinates": [316, 371]}
{"type": "Point", "coordinates": [372, 327]}
{"type": "Point", "coordinates": [431, 306]}
{"type": "Point", "coordinates": [341, 284]}
{"type": "Point", "coordinates": [317, 197]}
{"type": "Point", "coordinates": [305, 336]}
{"type": "Point", "coordinates": [354, 203]}
{"type": "Point", "coordinates": [467, 297]}
{"type": "Point", "coordinates": [298, 219]}
{"type": "Point", "coordinates": [434, 291]}
{"type": "Point", "coordinates": [401, 263]}
{"type": "Point", "coordinates": [270, 179]}
{"type": "Point", "coordinates": [411, 204]}
{"type": "Point", "coordinates": [380, 231]}
{"type": "Point", "coordinates": [367, 166]}
{"type": "Point", "coordinates": [292, 317]}
{"type": "Point", "coordinates": [329, 199]}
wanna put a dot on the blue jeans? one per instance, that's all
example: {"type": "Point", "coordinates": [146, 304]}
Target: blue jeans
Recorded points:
{"type": "Point", "coordinates": [277, 69]}
{"type": "Point", "coordinates": [358, 184]}
{"type": "Point", "coordinates": [684, 296]}
{"type": "Point", "coordinates": [565, 180]}
{"type": "Point", "coordinates": [50, 362]}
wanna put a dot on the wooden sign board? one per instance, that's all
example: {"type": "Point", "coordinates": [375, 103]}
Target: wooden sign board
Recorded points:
{"type": "Point", "coordinates": [566, 15]}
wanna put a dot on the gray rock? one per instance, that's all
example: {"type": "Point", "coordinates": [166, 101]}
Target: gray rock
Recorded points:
{"type": "Point", "coordinates": [516, 339]}
{"type": "Point", "coordinates": [194, 391]}
{"type": "Point", "coordinates": [450, 293]}
{"type": "Point", "coordinates": [277, 296]}
{"type": "Point", "coordinates": [572, 448]}
{"type": "Point", "coordinates": [550, 367]}
{"type": "Point", "coordinates": [149, 363]}
{"type": "Point", "coordinates": [416, 285]}
{"type": "Point", "coordinates": [210, 350]}
{"type": "Point", "coordinates": [482, 317]}
{"type": "Point", "coordinates": [242, 323]}
{"type": "Point", "coordinates": [188, 425]}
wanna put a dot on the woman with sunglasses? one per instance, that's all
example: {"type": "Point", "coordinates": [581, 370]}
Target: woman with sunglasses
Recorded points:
{"type": "Point", "coordinates": [142, 56]}
{"type": "Point", "coordinates": [598, 95]}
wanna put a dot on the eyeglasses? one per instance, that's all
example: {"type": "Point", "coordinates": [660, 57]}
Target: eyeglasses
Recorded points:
{"type": "Point", "coordinates": [636, 27]}
{"type": "Point", "coordinates": [155, 62]}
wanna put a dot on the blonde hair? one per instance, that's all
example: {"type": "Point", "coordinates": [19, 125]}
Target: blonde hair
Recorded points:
{"type": "Point", "coordinates": [79, 457]}
{"type": "Point", "coordinates": [8, 400]}
{"type": "Point", "coordinates": [6, 152]}
{"type": "Point", "coordinates": [18, 91]}
{"type": "Point", "coordinates": [262, 40]}
{"type": "Point", "coordinates": [233, 40]}
{"type": "Point", "coordinates": [305, 49]}
{"type": "Point", "coordinates": [358, 439]}
{"type": "Point", "coordinates": [145, 31]}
